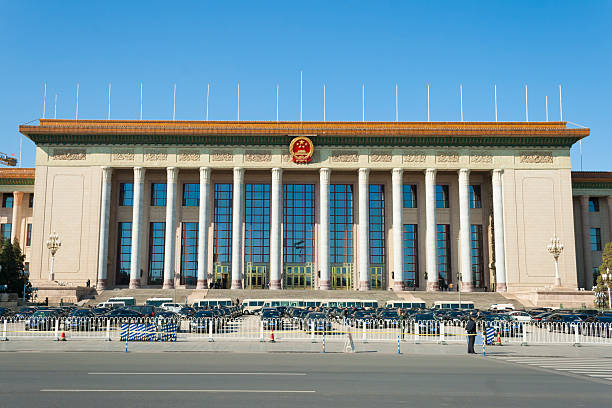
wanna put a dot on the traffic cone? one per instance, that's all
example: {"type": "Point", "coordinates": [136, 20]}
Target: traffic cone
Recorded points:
{"type": "Point", "coordinates": [63, 336]}
{"type": "Point", "coordinates": [272, 336]}
{"type": "Point", "coordinates": [498, 340]}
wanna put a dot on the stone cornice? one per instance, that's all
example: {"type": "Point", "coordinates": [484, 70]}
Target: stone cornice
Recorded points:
{"type": "Point", "coordinates": [584, 185]}
{"type": "Point", "coordinates": [210, 133]}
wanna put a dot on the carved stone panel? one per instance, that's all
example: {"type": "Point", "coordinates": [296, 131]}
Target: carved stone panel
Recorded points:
{"type": "Point", "coordinates": [69, 154]}
{"type": "Point", "coordinates": [345, 156]}
{"type": "Point", "coordinates": [447, 157]}
{"type": "Point", "coordinates": [414, 157]}
{"type": "Point", "coordinates": [123, 154]}
{"type": "Point", "coordinates": [536, 157]}
{"type": "Point", "coordinates": [258, 157]}
{"type": "Point", "coordinates": [481, 157]}
{"type": "Point", "coordinates": [380, 157]}
{"type": "Point", "coordinates": [221, 156]}
{"type": "Point", "coordinates": [188, 155]}
{"type": "Point", "coordinates": [155, 155]}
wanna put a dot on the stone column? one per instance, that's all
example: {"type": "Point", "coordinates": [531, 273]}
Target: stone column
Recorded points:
{"type": "Point", "coordinates": [398, 224]}
{"type": "Point", "coordinates": [465, 257]}
{"type": "Point", "coordinates": [16, 221]}
{"type": "Point", "coordinates": [139, 174]}
{"type": "Point", "coordinates": [586, 242]}
{"type": "Point", "coordinates": [364, 220]}
{"type": "Point", "coordinates": [430, 234]}
{"type": "Point", "coordinates": [203, 228]}
{"type": "Point", "coordinates": [498, 225]}
{"type": "Point", "coordinates": [276, 209]}
{"type": "Point", "coordinates": [169, 251]}
{"type": "Point", "coordinates": [324, 175]}
{"type": "Point", "coordinates": [107, 173]}
{"type": "Point", "coordinates": [237, 218]}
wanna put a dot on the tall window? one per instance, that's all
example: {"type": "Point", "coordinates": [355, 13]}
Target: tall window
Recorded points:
{"type": "Point", "coordinates": [593, 204]}
{"type": "Point", "coordinates": [298, 223]}
{"type": "Point", "coordinates": [377, 224]}
{"type": "Point", "coordinates": [410, 249]}
{"type": "Point", "coordinates": [26, 268]}
{"type": "Point", "coordinates": [124, 253]}
{"type": "Point", "coordinates": [442, 196]}
{"type": "Point", "coordinates": [222, 240]}
{"type": "Point", "coordinates": [189, 253]}
{"type": "Point", "coordinates": [29, 235]}
{"type": "Point", "coordinates": [157, 249]}
{"type": "Point", "coordinates": [409, 195]}
{"type": "Point", "coordinates": [7, 200]}
{"type": "Point", "coordinates": [126, 194]}
{"type": "Point", "coordinates": [477, 262]}
{"type": "Point", "coordinates": [31, 201]}
{"type": "Point", "coordinates": [595, 239]}
{"type": "Point", "coordinates": [158, 194]}
{"type": "Point", "coordinates": [191, 194]}
{"type": "Point", "coordinates": [257, 223]}
{"type": "Point", "coordinates": [443, 253]}
{"type": "Point", "coordinates": [5, 231]}
{"type": "Point", "coordinates": [475, 196]}
{"type": "Point", "coordinates": [341, 223]}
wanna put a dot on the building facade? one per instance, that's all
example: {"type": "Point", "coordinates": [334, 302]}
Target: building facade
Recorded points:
{"type": "Point", "coordinates": [309, 205]}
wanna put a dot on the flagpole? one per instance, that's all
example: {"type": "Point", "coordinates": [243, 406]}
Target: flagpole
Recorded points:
{"type": "Point", "coordinates": [461, 98]}
{"type": "Point", "coordinates": [207, 96]}
{"type": "Point", "coordinates": [323, 102]}
{"type": "Point", "coordinates": [277, 102]}
{"type": "Point", "coordinates": [76, 113]}
{"type": "Point", "coordinates": [301, 94]}
{"type": "Point", "coordinates": [140, 100]}
{"type": "Point", "coordinates": [44, 100]}
{"type": "Point", "coordinates": [428, 102]}
{"type": "Point", "coordinates": [495, 90]}
{"type": "Point", "coordinates": [174, 103]}
{"type": "Point", "coordinates": [396, 104]}
{"type": "Point", "coordinates": [363, 102]}
{"type": "Point", "coordinates": [526, 105]}
{"type": "Point", "coordinates": [547, 108]}
{"type": "Point", "coordinates": [109, 100]}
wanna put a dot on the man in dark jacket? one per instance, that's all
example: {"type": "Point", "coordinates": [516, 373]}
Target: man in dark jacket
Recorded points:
{"type": "Point", "coordinates": [470, 329]}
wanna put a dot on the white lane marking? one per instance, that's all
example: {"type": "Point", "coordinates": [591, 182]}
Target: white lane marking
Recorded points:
{"type": "Point", "coordinates": [186, 373]}
{"type": "Point", "coordinates": [149, 390]}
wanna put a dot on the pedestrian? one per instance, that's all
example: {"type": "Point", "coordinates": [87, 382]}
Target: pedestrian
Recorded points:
{"type": "Point", "coordinates": [470, 329]}
{"type": "Point", "coordinates": [88, 282]}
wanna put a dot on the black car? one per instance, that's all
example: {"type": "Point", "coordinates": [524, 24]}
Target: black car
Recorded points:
{"type": "Point", "coordinates": [271, 319]}
{"type": "Point", "coordinates": [318, 322]}
{"type": "Point", "coordinates": [81, 319]}
{"type": "Point", "coordinates": [25, 312]}
{"type": "Point", "coordinates": [146, 310]}
{"type": "Point", "coordinates": [123, 313]}
{"type": "Point", "coordinates": [203, 320]}
{"type": "Point", "coordinates": [5, 313]}
{"type": "Point", "coordinates": [42, 320]}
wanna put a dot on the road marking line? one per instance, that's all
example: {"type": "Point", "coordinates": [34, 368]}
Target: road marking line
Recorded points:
{"type": "Point", "coordinates": [211, 391]}
{"type": "Point", "coordinates": [255, 373]}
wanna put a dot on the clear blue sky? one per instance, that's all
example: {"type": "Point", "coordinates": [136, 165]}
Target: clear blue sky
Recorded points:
{"type": "Point", "coordinates": [342, 44]}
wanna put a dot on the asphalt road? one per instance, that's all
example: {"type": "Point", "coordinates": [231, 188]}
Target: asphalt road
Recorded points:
{"type": "Point", "coordinates": [200, 379]}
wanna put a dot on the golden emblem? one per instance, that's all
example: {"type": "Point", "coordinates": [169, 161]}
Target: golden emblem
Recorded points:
{"type": "Point", "coordinates": [301, 149]}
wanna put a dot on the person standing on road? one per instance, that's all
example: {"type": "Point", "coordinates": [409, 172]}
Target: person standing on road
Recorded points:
{"type": "Point", "coordinates": [470, 329]}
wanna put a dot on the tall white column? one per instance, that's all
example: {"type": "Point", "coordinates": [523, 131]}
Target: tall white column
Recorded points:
{"type": "Point", "coordinates": [16, 221]}
{"type": "Point", "coordinates": [275, 229]}
{"type": "Point", "coordinates": [139, 174]}
{"type": "Point", "coordinates": [364, 241]}
{"type": "Point", "coordinates": [107, 173]}
{"type": "Point", "coordinates": [169, 251]}
{"type": "Point", "coordinates": [324, 175]}
{"type": "Point", "coordinates": [498, 225]}
{"type": "Point", "coordinates": [398, 225]}
{"type": "Point", "coordinates": [237, 219]}
{"type": "Point", "coordinates": [430, 233]}
{"type": "Point", "coordinates": [586, 243]}
{"type": "Point", "coordinates": [465, 257]}
{"type": "Point", "coordinates": [203, 228]}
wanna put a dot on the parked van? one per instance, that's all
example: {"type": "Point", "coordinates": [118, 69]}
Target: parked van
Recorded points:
{"type": "Point", "coordinates": [157, 302]}
{"type": "Point", "coordinates": [252, 306]}
{"type": "Point", "coordinates": [112, 305]}
{"type": "Point", "coordinates": [445, 304]}
{"type": "Point", "coordinates": [128, 301]}
{"type": "Point", "coordinates": [502, 306]}
{"type": "Point", "coordinates": [213, 303]}
{"type": "Point", "coordinates": [394, 304]}
{"type": "Point", "coordinates": [171, 307]}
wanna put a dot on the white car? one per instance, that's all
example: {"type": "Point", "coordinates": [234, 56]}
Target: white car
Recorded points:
{"type": "Point", "coordinates": [502, 306]}
{"type": "Point", "coordinates": [520, 316]}
{"type": "Point", "coordinates": [171, 307]}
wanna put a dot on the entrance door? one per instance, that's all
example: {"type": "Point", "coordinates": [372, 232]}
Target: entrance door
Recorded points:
{"type": "Point", "coordinates": [341, 276]}
{"type": "Point", "coordinates": [222, 276]}
{"type": "Point", "coordinates": [298, 277]}
{"type": "Point", "coordinates": [256, 276]}
{"type": "Point", "coordinates": [376, 277]}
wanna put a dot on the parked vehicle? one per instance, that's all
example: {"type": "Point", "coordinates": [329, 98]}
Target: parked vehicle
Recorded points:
{"type": "Point", "coordinates": [42, 320]}
{"type": "Point", "coordinates": [146, 310]}
{"type": "Point", "coordinates": [123, 313]}
{"type": "Point", "coordinates": [173, 307]}
{"type": "Point", "coordinates": [25, 312]}
{"type": "Point", "coordinates": [202, 321]}
{"type": "Point", "coordinates": [318, 322]}
{"type": "Point", "coordinates": [81, 319]}
{"type": "Point", "coordinates": [520, 316]}
{"type": "Point", "coordinates": [127, 300]}
{"type": "Point", "coordinates": [270, 318]}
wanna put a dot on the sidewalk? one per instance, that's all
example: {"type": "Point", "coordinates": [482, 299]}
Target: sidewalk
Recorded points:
{"type": "Point", "coordinates": [288, 346]}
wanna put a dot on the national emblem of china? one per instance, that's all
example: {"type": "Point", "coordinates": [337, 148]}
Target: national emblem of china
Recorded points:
{"type": "Point", "coordinates": [301, 149]}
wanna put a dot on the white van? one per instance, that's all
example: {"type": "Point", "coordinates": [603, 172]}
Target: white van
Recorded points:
{"type": "Point", "coordinates": [502, 306]}
{"type": "Point", "coordinates": [171, 307]}
{"type": "Point", "coordinates": [252, 306]}
{"type": "Point", "coordinates": [213, 303]}
{"type": "Point", "coordinates": [445, 304]}
{"type": "Point", "coordinates": [157, 302]}
{"type": "Point", "coordinates": [394, 304]}
{"type": "Point", "coordinates": [112, 305]}
{"type": "Point", "coordinates": [128, 301]}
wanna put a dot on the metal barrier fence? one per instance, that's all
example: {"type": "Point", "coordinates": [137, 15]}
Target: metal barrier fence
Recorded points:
{"type": "Point", "coordinates": [253, 328]}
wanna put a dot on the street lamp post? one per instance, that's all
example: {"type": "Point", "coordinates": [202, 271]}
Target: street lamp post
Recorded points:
{"type": "Point", "coordinates": [555, 248]}
{"type": "Point", "coordinates": [606, 279]}
{"type": "Point", "coordinates": [53, 244]}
